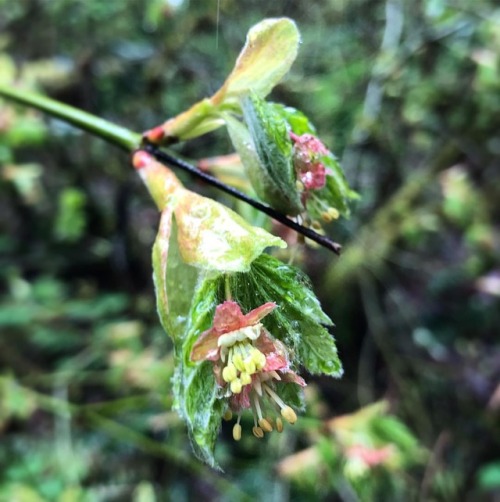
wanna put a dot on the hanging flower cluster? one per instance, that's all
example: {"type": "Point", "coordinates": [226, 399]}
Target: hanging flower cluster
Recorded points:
{"type": "Point", "coordinates": [248, 364]}
{"type": "Point", "coordinates": [306, 154]}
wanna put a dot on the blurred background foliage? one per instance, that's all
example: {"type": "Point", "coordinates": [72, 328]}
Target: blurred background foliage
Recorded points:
{"type": "Point", "coordinates": [407, 95]}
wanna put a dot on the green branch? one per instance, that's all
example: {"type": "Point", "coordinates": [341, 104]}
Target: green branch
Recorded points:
{"type": "Point", "coordinates": [117, 135]}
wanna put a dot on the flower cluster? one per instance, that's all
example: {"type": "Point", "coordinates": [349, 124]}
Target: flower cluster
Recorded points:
{"type": "Point", "coordinates": [309, 157]}
{"type": "Point", "coordinates": [248, 364]}
{"type": "Point", "coordinates": [307, 153]}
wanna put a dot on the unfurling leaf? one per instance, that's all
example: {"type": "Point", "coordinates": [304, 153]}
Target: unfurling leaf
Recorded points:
{"type": "Point", "coordinates": [212, 237]}
{"type": "Point", "coordinates": [196, 233]}
{"type": "Point", "coordinates": [298, 121]}
{"type": "Point", "coordinates": [271, 48]}
{"type": "Point", "coordinates": [195, 390]}
{"type": "Point", "coordinates": [335, 195]}
{"type": "Point", "coordinates": [266, 152]}
{"type": "Point", "coordinates": [299, 321]}
{"type": "Point", "coordinates": [174, 280]}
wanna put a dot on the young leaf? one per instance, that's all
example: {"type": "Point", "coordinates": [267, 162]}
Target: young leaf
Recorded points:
{"type": "Point", "coordinates": [272, 176]}
{"type": "Point", "coordinates": [335, 194]}
{"type": "Point", "coordinates": [174, 280]}
{"type": "Point", "coordinates": [212, 237]}
{"type": "Point", "coordinates": [299, 321]}
{"type": "Point", "coordinates": [195, 390]}
{"type": "Point", "coordinates": [298, 121]}
{"type": "Point", "coordinates": [271, 48]}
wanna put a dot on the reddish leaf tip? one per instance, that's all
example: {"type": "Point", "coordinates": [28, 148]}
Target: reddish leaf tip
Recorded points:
{"type": "Point", "coordinates": [141, 159]}
{"type": "Point", "coordinates": [155, 135]}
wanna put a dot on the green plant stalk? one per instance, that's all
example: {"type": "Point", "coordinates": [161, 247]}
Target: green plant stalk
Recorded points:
{"type": "Point", "coordinates": [112, 133]}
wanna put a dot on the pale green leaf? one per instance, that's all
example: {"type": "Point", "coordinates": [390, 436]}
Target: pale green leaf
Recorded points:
{"type": "Point", "coordinates": [213, 237]}
{"type": "Point", "coordinates": [174, 280]}
{"type": "Point", "coordinates": [271, 48]}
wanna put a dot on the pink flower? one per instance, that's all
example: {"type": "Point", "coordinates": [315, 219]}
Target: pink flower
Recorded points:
{"type": "Point", "coordinates": [307, 153]}
{"type": "Point", "coordinates": [248, 363]}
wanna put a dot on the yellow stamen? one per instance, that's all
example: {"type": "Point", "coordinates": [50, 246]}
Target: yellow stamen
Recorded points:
{"type": "Point", "coordinates": [250, 366]}
{"type": "Point", "coordinates": [279, 424]}
{"type": "Point", "coordinates": [245, 378]}
{"type": "Point", "coordinates": [237, 432]}
{"type": "Point", "coordinates": [238, 361]}
{"type": "Point", "coordinates": [228, 415]}
{"type": "Point", "coordinates": [289, 415]}
{"type": "Point", "coordinates": [258, 432]}
{"type": "Point", "coordinates": [333, 213]}
{"type": "Point", "coordinates": [236, 386]}
{"type": "Point", "coordinates": [259, 359]}
{"type": "Point", "coordinates": [265, 425]}
{"type": "Point", "coordinates": [229, 373]}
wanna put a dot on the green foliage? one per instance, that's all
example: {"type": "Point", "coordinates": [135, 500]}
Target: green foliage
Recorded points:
{"type": "Point", "coordinates": [335, 194]}
{"type": "Point", "coordinates": [197, 396]}
{"type": "Point", "coordinates": [298, 121]}
{"type": "Point", "coordinates": [270, 49]}
{"type": "Point", "coordinates": [273, 177]}
{"type": "Point", "coordinates": [488, 476]}
{"type": "Point", "coordinates": [299, 321]}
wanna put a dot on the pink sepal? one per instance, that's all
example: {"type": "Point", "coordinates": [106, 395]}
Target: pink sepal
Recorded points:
{"type": "Point", "coordinates": [228, 317]}
{"type": "Point", "coordinates": [292, 377]}
{"type": "Point", "coordinates": [206, 348]}
{"type": "Point", "coordinates": [255, 315]}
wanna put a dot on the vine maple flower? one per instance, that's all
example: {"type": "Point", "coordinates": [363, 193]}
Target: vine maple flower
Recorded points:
{"type": "Point", "coordinates": [248, 364]}
{"type": "Point", "coordinates": [307, 153]}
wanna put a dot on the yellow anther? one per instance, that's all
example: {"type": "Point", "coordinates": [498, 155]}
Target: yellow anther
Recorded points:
{"type": "Point", "coordinates": [236, 386]}
{"type": "Point", "coordinates": [245, 378]}
{"type": "Point", "coordinates": [279, 424]}
{"type": "Point", "coordinates": [228, 414]}
{"type": "Point", "coordinates": [325, 216]}
{"type": "Point", "coordinates": [334, 213]}
{"type": "Point", "coordinates": [237, 432]}
{"type": "Point", "coordinates": [265, 425]}
{"type": "Point", "coordinates": [288, 414]}
{"type": "Point", "coordinates": [258, 432]}
{"type": "Point", "coordinates": [250, 366]}
{"type": "Point", "coordinates": [229, 373]}
{"type": "Point", "coordinates": [237, 360]}
{"type": "Point", "coordinates": [259, 359]}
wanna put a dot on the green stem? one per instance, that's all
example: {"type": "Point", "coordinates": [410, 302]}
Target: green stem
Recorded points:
{"type": "Point", "coordinates": [117, 135]}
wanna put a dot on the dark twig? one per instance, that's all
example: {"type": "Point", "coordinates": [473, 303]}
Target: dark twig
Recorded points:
{"type": "Point", "coordinates": [166, 158]}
